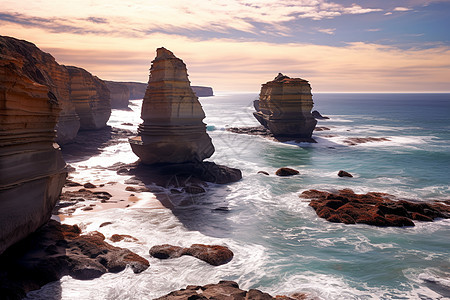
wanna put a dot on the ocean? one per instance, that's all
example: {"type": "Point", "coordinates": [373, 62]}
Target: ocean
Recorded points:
{"type": "Point", "coordinates": [280, 246]}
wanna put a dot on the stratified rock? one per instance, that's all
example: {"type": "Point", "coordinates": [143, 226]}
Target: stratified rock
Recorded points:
{"type": "Point", "coordinates": [317, 115]}
{"type": "Point", "coordinates": [203, 91]}
{"type": "Point", "coordinates": [224, 290]}
{"type": "Point", "coordinates": [32, 170]}
{"type": "Point", "coordinates": [286, 172]}
{"type": "Point", "coordinates": [91, 98]}
{"type": "Point", "coordinates": [42, 68]}
{"type": "Point", "coordinates": [372, 208]}
{"type": "Point", "coordinates": [172, 131]}
{"type": "Point", "coordinates": [57, 250]}
{"type": "Point", "coordinates": [343, 173]}
{"type": "Point", "coordinates": [119, 93]}
{"type": "Point", "coordinates": [284, 107]}
{"type": "Point", "coordinates": [213, 254]}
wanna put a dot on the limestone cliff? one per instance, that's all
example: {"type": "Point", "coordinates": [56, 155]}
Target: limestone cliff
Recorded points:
{"type": "Point", "coordinates": [120, 94]}
{"type": "Point", "coordinates": [137, 90]}
{"type": "Point", "coordinates": [43, 68]}
{"type": "Point", "coordinates": [284, 107]}
{"type": "Point", "coordinates": [172, 131]}
{"type": "Point", "coordinates": [32, 171]}
{"type": "Point", "coordinates": [91, 98]}
{"type": "Point", "coordinates": [203, 91]}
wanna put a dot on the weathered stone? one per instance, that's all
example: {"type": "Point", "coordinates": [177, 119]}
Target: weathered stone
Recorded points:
{"type": "Point", "coordinates": [119, 93]}
{"type": "Point", "coordinates": [317, 115]}
{"type": "Point", "coordinates": [213, 254]}
{"type": "Point", "coordinates": [42, 68]}
{"type": "Point", "coordinates": [284, 107]}
{"type": "Point", "coordinates": [91, 98]}
{"type": "Point", "coordinates": [343, 173]}
{"type": "Point", "coordinates": [225, 290]}
{"type": "Point", "coordinates": [32, 170]}
{"type": "Point", "coordinates": [286, 172]}
{"type": "Point", "coordinates": [203, 91]}
{"type": "Point", "coordinates": [56, 250]}
{"type": "Point", "coordinates": [376, 209]}
{"type": "Point", "coordinates": [172, 131]}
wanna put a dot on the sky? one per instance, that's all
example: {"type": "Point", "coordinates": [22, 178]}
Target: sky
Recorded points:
{"type": "Point", "coordinates": [236, 45]}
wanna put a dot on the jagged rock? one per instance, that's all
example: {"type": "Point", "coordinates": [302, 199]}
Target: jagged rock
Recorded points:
{"type": "Point", "coordinates": [91, 98]}
{"type": "Point", "coordinates": [373, 208]}
{"type": "Point", "coordinates": [359, 140]}
{"type": "Point", "coordinates": [286, 172]}
{"type": "Point", "coordinates": [318, 116]}
{"type": "Point", "coordinates": [213, 254]}
{"type": "Point", "coordinates": [225, 290]}
{"type": "Point", "coordinates": [42, 68]}
{"type": "Point", "coordinates": [119, 93]}
{"type": "Point", "coordinates": [343, 173]}
{"type": "Point", "coordinates": [32, 170]}
{"type": "Point", "coordinates": [172, 131]}
{"type": "Point", "coordinates": [56, 250]}
{"type": "Point", "coordinates": [263, 172]}
{"type": "Point", "coordinates": [284, 107]}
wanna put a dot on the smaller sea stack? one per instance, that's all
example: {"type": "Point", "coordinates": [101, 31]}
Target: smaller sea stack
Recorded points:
{"type": "Point", "coordinates": [173, 130]}
{"type": "Point", "coordinates": [284, 107]}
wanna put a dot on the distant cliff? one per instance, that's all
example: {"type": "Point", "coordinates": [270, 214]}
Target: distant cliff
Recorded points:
{"type": "Point", "coordinates": [120, 94]}
{"type": "Point", "coordinates": [137, 89]}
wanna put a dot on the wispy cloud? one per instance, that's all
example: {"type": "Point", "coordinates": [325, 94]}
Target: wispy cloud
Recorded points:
{"type": "Point", "coordinates": [327, 30]}
{"type": "Point", "coordinates": [399, 8]}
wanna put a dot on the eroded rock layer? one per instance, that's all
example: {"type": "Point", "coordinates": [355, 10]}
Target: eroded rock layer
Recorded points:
{"type": "Point", "coordinates": [284, 107]}
{"type": "Point", "coordinates": [43, 69]}
{"type": "Point", "coordinates": [172, 131]}
{"type": "Point", "coordinates": [120, 94]}
{"type": "Point", "coordinates": [91, 98]}
{"type": "Point", "coordinates": [32, 170]}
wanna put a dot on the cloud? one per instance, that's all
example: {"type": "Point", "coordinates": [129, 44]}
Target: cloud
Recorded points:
{"type": "Point", "coordinates": [402, 9]}
{"type": "Point", "coordinates": [373, 29]}
{"type": "Point", "coordinates": [327, 30]}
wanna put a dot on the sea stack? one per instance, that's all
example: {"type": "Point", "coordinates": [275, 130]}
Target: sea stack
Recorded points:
{"type": "Point", "coordinates": [284, 107]}
{"type": "Point", "coordinates": [91, 98]}
{"type": "Point", "coordinates": [32, 170]}
{"type": "Point", "coordinates": [173, 130]}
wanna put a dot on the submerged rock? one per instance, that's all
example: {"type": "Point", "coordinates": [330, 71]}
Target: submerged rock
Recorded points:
{"type": "Point", "coordinates": [225, 290]}
{"type": "Point", "coordinates": [372, 208]}
{"type": "Point", "coordinates": [41, 68]}
{"type": "Point", "coordinates": [172, 131]}
{"type": "Point", "coordinates": [286, 172]}
{"type": "Point", "coordinates": [284, 107]}
{"type": "Point", "coordinates": [32, 170]}
{"type": "Point", "coordinates": [343, 173]}
{"type": "Point", "coordinates": [213, 254]}
{"type": "Point", "coordinates": [91, 98]}
{"type": "Point", "coordinates": [318, 116]}
{"type": "Point", "coordinates": [57, 250]}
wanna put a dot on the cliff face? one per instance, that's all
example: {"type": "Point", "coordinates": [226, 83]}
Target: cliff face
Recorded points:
{"type": "Point", "coordinates": [43, 69]}
{"type": "Point", "coordinates": [32, 171]}
{"type": "Point", "coordinates": [91, 98]}
{"type": "Point", "coordinates": [203, 91]}
{"type": "Point", "coordinates": [137, 90]}
{"type": "Point", "coordinates": [284, 107]}
{"type": "Point", "coordinates": [120, 94]}
{"type": "Point", "coordinates": [172, 131]}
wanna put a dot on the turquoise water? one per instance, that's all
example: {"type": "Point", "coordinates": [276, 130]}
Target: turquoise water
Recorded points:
{"type": "Point", "coordinates": [280, 245]}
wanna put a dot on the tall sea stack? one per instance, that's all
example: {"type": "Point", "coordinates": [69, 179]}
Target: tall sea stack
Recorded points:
{"type": "Point", "coordinates": [173, 130]}
{"type": "Point", "coordinates": [284, 107]}
{"type": "Point", "coordinates": [32, 170]}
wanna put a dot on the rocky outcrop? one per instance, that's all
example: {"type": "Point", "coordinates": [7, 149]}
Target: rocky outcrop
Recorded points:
{"type": "Point", "coordinates": [373, 208]}
{"type": "Point", "coordinates": [172, 131]}
{"type": "Point", "coordinates": [32, 170]}
{"type": "Point", "coordinates": [286, 172]}
{"type": "Point", "coordinates": [284, 107]}
{"type": "Point", "coordinates": [203, 91]}
{"type": "Point", "coordinates": [42, 68]}
{"type": "Point", "coordinates": [225, 290]}
{"type": "Point", "coordinates": [212, 254]}
{"type": "Point", "coordinates": [119, 93]}
{"type": "Point", "coordinates": [91, 98]}
{"type": "Point", "coordinates": [343, 173]}
{"type": "Point", "coordinates": [57, 250]}
{"type": "Point", "coordinates": [318, 115]}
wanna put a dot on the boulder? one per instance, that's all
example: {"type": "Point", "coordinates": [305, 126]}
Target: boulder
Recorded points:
{"type": "Point", "coordinates": [32, 170]}
{"type": "Point", "coordinates": [57, 250]}
{"type": "Point", "coordinates": [213, 254]}
{"type": "Point", "coordinates": [286, 172]}
{"type": "Point", "coordinates": [119, 93]}
{"type": "Point", "coordinates": [91, 98]}
{"type": "Point", "coordinates": [172, 131]}
{"type": "Point", "coordinates": [376, 209]}
{"type": "Point", "coordinates": [318, 116]}
{"type": "Point", "coordinates": [284, 107]}
{"type": "Point", "coordinates": [343, 173]}
{"type": "Point", "coordinates": [42, 69]}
